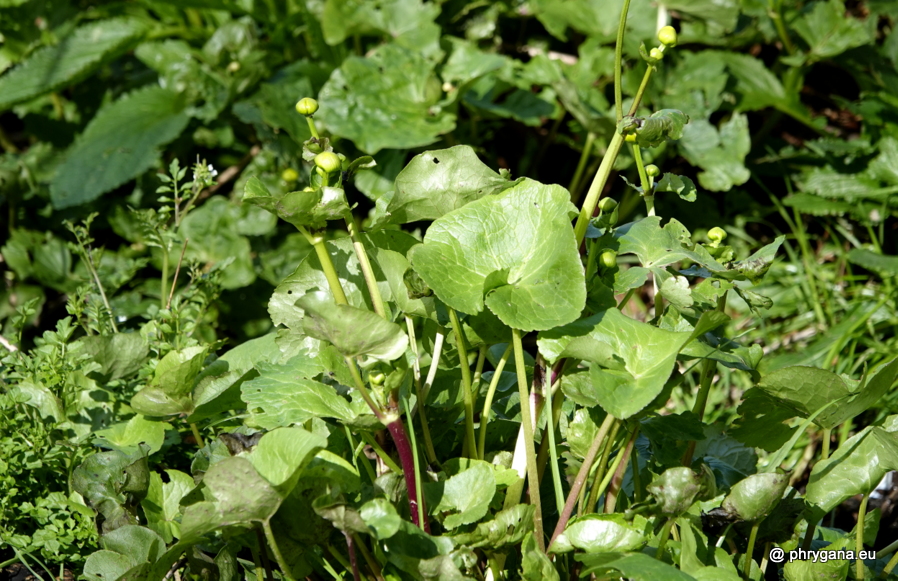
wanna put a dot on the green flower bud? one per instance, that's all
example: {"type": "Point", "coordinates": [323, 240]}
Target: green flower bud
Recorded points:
{"type": "Point", "coordinates": [608, 204]}
{"type": "Point", "coordinates": [668, 36]}
{"type": "Point", "coordinates": [717, 234]}
{"type": "Point", "coordinates": [376, 378]}
{"type": "Point", "coordinates": [608, 258]}
{"type": "Point", "coordinates": [652, 170]}
{"type": "Point", "coordinates": [328, 161]}
{"type": "Point", "coordinates": [307, 106]}
{"type": "Point", "coordinates": [656, 53]}
{"type": "Point", "coordinates": [289, 175]}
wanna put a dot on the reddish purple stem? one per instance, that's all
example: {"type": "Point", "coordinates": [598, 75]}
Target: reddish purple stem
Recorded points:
{"type": "Point", "coordinates": [406, 458]}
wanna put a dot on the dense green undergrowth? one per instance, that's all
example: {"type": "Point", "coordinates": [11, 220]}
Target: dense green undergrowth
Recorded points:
{"type": "Point", "coordinates": [301, 350]}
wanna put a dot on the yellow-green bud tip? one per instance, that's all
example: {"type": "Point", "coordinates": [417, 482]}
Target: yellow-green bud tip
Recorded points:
{"type": "Point", "coordinates": [307, 106]}
{"type": "Point", "coordinates": [717, 234]}
{"type": "Point", "coordinates": [328, 161]}
{"type": "Point", "coordinates": [289, 175]}
{"type": "Point", "coordinates": [652, 170]}
{"type": "Point", "coordinates": [668, 36]}
{"type": "Point", "coordinates": [608, 258]}
{"type": "Point", "coordinates": [607, 204]}
{"type": "Point", "coordinates": [656, 53]}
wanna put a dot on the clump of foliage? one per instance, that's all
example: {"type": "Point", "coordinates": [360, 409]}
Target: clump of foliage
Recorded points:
{"type": "Point", "coordinates": [483, 377]}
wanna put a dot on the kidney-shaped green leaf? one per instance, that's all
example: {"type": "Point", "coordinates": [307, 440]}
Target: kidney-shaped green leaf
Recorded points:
{"type": "Point", "coordinates": [437, 182]}
{"type": "Point", "coordinates": [514, 252]}
{"type": "Point", "coordinates": [855, 468]}
{"type": "Point", "coordinates": [282, 454]}
{"type": "Point", "coordinates": [807, 389]}
{"type": "Point", "coordinates": [631, 360]}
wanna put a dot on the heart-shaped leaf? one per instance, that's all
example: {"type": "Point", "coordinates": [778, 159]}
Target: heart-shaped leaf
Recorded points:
{"type": "Point", "coordinates": [514, 252]}
{"type": "Point", "coordinates": [631, 360]}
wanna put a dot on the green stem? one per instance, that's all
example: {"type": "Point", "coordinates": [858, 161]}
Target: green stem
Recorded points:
{"type": "Point", "coordinates": [581, 164]}
{"type": "Point", "coordinates": [468, 448]}
{"type": "Point", "coordinates": [381, 453]}
{"type": "Point", "coordinates": [368, 272]}
{"type": "Point", "coordinates": [595, 189]}
{"type": "Point", "coordinates": [527, 425]}
{"type": "Point", "coordinates": [665, 535]}
{"type": "Point", "coordinates": [553, 452]}
{"type": "Point", "coordinates": [425, 427]}
{"type": "Point", "coordinates": [312, 129]}
{"type": "Point", "coordinates": [478, 370]}
{"type": "Point", "coordinates": [827, 436]}
{"type": "Point", "coordinates": [366, 395]}
{"type": "Point", "coordinates": [163, 283]}
{"type": "Point", "coordinates": [860, 572]}
{"type": "Point", "coordinates": [752, 537]}
{"type": "Point", "coordinates": [601, 470]}
{"type": "Point", "coordinates": [637, 479]}
{"type": "Point", "coordinates": [327, 265]}
{"type": "Point", "coordinates": [488, 403]}
{"type": "Point", "coordinates": [775, 13]}
{"type": "Point", "coordinates": [618, 58]}
{"type": "Point", "coordinates": [647, 187]}
{"type": "Point", "coordinates": [642, 86]}
{"type": "Point", "coordinates": [882, 553]}
{"type": "Point", "coordinates": [197, 436]}
{"type": "Point", "coordinates": [707, 374]}
{"type": "Point", "coordinates": [617, 473]}
{"type": "Point", "coordinates": [272, 542]}
{"type": "Point", "coordinates": [889, 566]}
{"type": "Point", "coordinates": [582, 475]}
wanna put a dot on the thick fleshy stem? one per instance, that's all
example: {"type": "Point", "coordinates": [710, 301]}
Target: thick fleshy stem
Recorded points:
{"type": "Point", "coordinates": [618, 474]}
{"type": "Point", "coordinates": [470, 443]}
{"type": "Point", "coordinates": [411, 430]}
{"type": "Point", "coordinates": [582, 475]}
{"type": "Point", "coordinates": [488, 403]}
{"type": "Point", "coordinates": [278, 556]}
{"type": "Point", "coordinates": [665, 535]}
{"type": "Point", "coordinates": [350, 547]}
{"type": "Point", "coordinates": [527, 426]}
{"type": "Point", "coordinates": [407, 459]}
{"type": "Point", "coordinates": [701, 400]}
{"type": "Point", "coordinates": [601, 471]}
{"type": "Point", "coordinates": [367, 271]}
{"type": "Point", "coordinates": [397, 431]}
{"type": "Point", "coordinates": [419, 394]}
{"type": "Point", "coordinates": [859, 542]}
{"type": "Point", "coordinates": [327, 265]}
{"type": "Point", "coordinates": [752, 537]}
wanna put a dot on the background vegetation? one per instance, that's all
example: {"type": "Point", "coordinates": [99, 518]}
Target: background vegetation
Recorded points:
{"type": "Point", "coordinates": [130, 129]}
